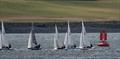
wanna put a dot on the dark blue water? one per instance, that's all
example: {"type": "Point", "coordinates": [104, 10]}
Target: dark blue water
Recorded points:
{"type": "Point", "coordinates": [91, 27]}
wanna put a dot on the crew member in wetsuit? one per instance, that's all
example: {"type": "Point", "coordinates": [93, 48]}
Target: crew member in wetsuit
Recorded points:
{"type": "Point", "coordinates": [90, 46]}
{"type": "Point", "coordinates": [37, 47]}
{"type": "Point", "coordinates": [9, 46]}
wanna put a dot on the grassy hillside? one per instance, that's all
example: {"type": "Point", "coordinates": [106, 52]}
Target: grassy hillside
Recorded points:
{"type": "Point", "coordinates": [99, 9]}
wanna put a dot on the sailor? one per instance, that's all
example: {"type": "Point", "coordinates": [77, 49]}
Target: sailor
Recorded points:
{"type": "Point", "coordinates": [73, 46]}
{"type": "Point", "coordinates": [9, 46]}
{"type": "Point", "coordinates": [63, 47]}
{"type": "Point", "coordinates": [90, 46]}
{"type": "Point", "coordinates": [37, 46]}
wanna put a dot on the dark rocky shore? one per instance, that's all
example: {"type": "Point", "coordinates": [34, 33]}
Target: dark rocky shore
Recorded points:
{"type": "Point", "coordinates": [48, 27]}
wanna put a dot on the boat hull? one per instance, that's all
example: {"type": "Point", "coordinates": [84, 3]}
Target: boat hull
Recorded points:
{"type": "Point", "coordinates": [37, 47]}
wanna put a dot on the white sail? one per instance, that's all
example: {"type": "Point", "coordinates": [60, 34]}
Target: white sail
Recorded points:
{"type": "Point", "coordinates": [67, 40]}
{"type": "Point", "coordinates": [4, 42]}
{"type": "Point", "coordinates": [3, 29]}
{"type": "Point", "coordinates": [32, 40]}
{"type": "Point", "coordinates": [82, 36]}
{"type": "Point", "coordinates": [70, 42]}
{"type": "Point", "coordinates": [55, 37]}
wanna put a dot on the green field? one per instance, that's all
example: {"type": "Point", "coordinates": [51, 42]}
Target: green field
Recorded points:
{"type": "Point", "coordinates": [75, 9]}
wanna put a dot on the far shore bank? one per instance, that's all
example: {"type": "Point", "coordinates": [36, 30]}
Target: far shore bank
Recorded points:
{"type": "Point", "coordinates": [55, 19]}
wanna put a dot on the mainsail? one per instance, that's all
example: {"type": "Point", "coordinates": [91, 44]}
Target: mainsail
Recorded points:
{"type": "Point", "coordinates": [69, 33]}
{"type": "Point", "coordinates": [3, 42]}
{"type": "Point", "coordinates": [55, 37]}
{"type": "Point", "coordinates": [67, 41]}
{"type": "Point", "coordinates": [32, 40]}
{"type": "Point", "coordinates": [83, 42]}
{"type": "Point", "coordinates": [83, 31]}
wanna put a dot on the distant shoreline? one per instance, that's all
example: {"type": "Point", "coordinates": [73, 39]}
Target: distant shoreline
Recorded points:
{"type": "Point", "coordinates": [54, 19]}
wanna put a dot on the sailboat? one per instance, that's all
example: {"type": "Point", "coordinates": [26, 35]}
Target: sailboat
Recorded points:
{"type": "Point", "coordinates": [32, 42]}
{"type": "Point", "coordinates": [56, 45]}
{"type": "Point", "coordinates": [83, 43]}
{"type": "Point", "coordinates": [67, 41]}
{"type": "Point", "coordinates": [3, 43]}
{"type": "Point", "coordinates": [55, 38]}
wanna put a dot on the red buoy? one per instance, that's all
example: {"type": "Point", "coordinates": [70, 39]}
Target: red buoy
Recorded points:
{"type": "Point", "coordinates": [103, 38]}
{"type": "Point", "coordinates": [103, 43]}
{"type": "Point", "coordinates": [103, 35]}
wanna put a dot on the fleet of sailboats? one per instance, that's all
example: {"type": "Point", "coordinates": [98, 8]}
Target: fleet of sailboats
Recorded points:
{"type": "Point", "coordinates": [33, 45]}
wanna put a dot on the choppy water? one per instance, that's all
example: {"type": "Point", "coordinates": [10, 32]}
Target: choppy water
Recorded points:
{"type": "Point", "coordinates": [20, 51]}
